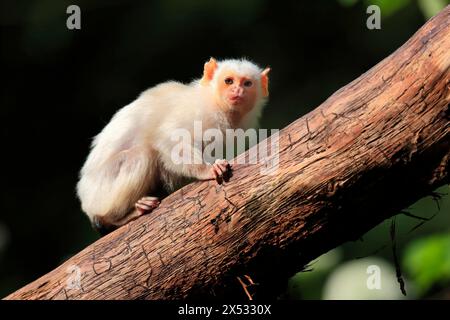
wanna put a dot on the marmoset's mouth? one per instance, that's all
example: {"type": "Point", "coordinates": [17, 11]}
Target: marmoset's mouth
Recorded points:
{"type": "Point", "coordinates": [236, 99]}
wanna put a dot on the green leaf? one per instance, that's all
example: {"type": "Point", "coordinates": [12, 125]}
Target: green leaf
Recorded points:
{"type": "Point", "coordinates": [427, 261]}
{"type": "Point", "coordinates": [388, 7]}
{"type": "Point", "coordinates": [430, 8]}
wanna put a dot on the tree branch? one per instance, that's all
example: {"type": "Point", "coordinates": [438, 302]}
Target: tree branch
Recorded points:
{"type": "Point", "coordinates": [373, 148]}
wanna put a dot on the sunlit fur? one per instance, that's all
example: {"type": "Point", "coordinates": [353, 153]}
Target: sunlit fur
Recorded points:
{"type": "Point", "coordinates": [131, 157]}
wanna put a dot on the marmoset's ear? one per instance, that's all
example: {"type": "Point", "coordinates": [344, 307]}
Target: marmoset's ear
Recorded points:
{"type": "Point", "coordinates": [208, 71]}
{"type": "Point", "coordinates": [265, 82]}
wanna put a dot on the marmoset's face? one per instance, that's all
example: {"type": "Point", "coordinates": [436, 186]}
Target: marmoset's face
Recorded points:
{"type": "Point", "coordinates": [238, 92]}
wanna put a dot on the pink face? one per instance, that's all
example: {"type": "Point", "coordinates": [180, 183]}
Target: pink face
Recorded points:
{"type": "Point", "coordinates": [238, 92]}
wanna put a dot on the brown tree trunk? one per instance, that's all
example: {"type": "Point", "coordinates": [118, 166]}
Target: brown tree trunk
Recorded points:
{"type": "Point", "coordinates": [373, 148]}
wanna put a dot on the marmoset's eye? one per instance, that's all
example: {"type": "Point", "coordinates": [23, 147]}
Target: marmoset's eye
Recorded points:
{"type": "Point", "coordinates": [248, 83]}
{"type": "Point", "coordinates": [229, 81]}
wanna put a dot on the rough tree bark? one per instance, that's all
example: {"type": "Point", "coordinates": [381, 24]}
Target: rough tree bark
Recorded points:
{"type": "Point", "coordinates": [373, 148]}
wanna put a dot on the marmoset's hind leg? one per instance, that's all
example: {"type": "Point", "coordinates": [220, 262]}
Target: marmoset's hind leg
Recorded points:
{"type": "Point", "coordinates": [117, 192]}
{"type": "Point", "coordinates": [146, 205]}
{"type": "Point", "coordinates": [107, 224]}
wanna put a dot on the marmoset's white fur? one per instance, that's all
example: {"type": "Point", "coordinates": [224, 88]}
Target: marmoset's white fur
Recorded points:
{"type": "Point", "coordinates": [130, 160]}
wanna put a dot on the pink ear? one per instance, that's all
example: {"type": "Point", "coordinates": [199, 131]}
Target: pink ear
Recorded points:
{"type": "Point", "coordinates": [265, 82]}
{"type": "Point", "coordinates": [208, 71]}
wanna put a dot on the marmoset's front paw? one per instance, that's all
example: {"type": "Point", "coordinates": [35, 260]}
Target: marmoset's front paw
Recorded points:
{"type": "Point", "coordinates": [221, 170]}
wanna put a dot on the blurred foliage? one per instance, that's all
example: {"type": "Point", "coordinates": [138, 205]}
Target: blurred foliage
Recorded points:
{"type": "Point", "coordinates": [388, 7]}
{"type": "Point", "coordinates": [427, 261]}
{"type": "Point", "coordinates": [431, 7]}
{"type": "Point", "coordinates": [349, 282]}
{"type": "Point", "coordinates": [63, 86]}
{"type": "Point", "coordinates": [309, 284]}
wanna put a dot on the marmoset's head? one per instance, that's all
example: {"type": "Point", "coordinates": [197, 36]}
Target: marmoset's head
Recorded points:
{"type": "Point", "coordinates": [238, 85]}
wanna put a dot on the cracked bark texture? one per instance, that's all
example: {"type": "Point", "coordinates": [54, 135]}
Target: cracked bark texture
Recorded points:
{"type": "Point", "coordinates": [374, 147]}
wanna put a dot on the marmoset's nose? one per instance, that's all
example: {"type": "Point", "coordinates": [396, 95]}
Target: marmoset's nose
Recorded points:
{"type": "Point", "coordinates": [238, 90]}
